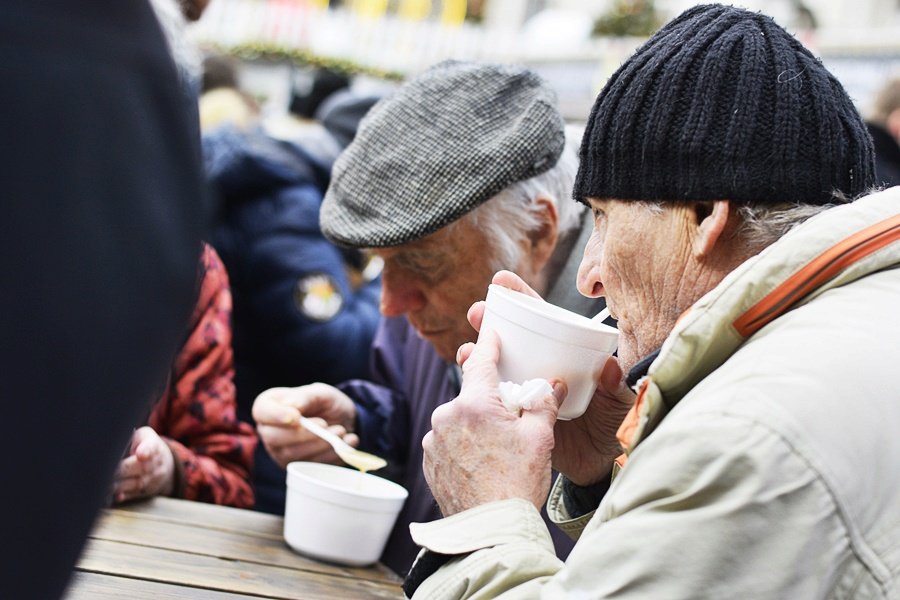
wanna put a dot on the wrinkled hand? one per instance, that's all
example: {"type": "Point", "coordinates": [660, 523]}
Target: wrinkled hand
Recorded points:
{"type": "Point", "coordinates": [277, 411]}
{"type": "Point", "coordinates": [478, 452]}
{"type": "Point", "coordinates": [587, 446]}
{"type": "Point", "coordinates": [148, 471]}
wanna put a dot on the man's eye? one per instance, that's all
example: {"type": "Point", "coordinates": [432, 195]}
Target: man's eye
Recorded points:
{"type": "Point", "coordinates": [421, 264]}
{"type": "Point", "coordinates": [598, 214]}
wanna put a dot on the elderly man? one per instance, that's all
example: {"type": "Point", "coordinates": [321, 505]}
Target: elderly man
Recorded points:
{"type": "Point", "coordinates": [760, 323]}
{"type": "Point", "coordinates": [457, 175]}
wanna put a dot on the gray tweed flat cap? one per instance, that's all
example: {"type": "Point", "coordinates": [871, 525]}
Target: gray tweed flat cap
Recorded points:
{"type": "Point", "coordinates": [441, 145]}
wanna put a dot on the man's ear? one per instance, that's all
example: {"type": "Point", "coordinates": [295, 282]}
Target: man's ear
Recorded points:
{"type": "Point", "coordinates": [712, 221]}
{"type": "Point", "coordinates": [543, 240]}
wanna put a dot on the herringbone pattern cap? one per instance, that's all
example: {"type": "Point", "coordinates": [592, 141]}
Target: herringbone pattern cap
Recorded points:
{"type": "Point", "coordinates": [441, 145]}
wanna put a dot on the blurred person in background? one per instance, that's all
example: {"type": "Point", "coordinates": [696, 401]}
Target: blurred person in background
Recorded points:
{"type": "Point", "coordinates": [193, 445]}
{"type": "Point", "coordinates": [463, 172]}
{"type": "Point", "coordinates": [305, 310]}
{"type": "Point", "coordinates": [103, 213]}
{"type": "Point", "coordinates": [884, 126]}
{"type": "Point", "coordinates": [311, 91]}
{"type": "Point", "coordinates": [218, 71]}
{"type": "Point", "coordinates": [310, 88]}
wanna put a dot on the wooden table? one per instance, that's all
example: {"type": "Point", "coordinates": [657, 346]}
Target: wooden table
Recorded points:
{"type": "Point", "coordinates": [164, 548]}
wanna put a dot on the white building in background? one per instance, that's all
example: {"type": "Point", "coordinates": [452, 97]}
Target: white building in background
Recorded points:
{"type": "Point", "coordinates": [832, 15]}
{"type": "Point", "coordinates": [859, 40]}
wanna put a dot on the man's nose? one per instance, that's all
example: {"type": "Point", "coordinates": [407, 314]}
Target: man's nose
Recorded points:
{"type": "Point", "coordinates": [399, 296]}
{"type": "Point", "coordinates": [588, 281]}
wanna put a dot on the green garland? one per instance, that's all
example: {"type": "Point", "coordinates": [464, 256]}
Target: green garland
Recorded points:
{"type": "Point", "coordinates": [628, 18]}
{"type": "Point", "coordinates": [271, 52]}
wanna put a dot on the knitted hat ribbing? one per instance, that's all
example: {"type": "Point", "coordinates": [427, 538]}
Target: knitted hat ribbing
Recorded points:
{"type": "Point", "coordinates": [722, 103]}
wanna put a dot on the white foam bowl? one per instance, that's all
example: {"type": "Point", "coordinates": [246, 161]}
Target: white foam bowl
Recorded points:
{"type": "Point", "coordinates": [541, 340]}
{"type": "Point", "coordinates": [339, 514]}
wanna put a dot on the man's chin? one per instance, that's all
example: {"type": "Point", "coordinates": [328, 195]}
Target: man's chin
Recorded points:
{"type": "Point", "coordinates": [443, 342]}
{"type": "Point", "coordinates": [627, 354]}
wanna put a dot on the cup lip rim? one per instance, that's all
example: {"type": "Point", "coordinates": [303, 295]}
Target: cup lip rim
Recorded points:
{"type": "Point", "coordinates": [567, 341]}
{"type": "Point", "coordinates": [398, 492]}
{"type": "Point", "coordinates": [525, 302]}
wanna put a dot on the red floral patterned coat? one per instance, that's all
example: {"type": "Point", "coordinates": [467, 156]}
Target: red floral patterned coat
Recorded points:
{"type": "Point", "coordinates": [197, 414]}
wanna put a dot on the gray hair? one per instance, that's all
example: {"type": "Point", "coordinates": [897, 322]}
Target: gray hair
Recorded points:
{"type": "Point", "coordinates": [184, 53]}
{"type": "Point", "coordinates": [764, 224]}
{"type": "Point", "coordinates": [513, 213]}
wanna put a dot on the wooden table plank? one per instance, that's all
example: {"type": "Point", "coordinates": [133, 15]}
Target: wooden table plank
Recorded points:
{"type": "Point", "coordinates": [233, 576]}
{"type": "Point", "coordinates": [213, 516]}
{"type": "Point", "coordinates": [92, 586]}
{"type": "Point", "coordinates": [132, 528]}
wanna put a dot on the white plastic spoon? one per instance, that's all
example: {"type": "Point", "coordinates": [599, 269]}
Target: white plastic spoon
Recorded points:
{"type": "Point", "coordinates": [350, 455]}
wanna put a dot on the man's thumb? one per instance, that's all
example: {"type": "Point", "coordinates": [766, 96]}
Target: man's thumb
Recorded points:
{"type": "Point", "coordinates": [547, 406]}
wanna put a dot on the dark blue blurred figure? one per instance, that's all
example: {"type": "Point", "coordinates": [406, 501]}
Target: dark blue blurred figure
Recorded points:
{"type": "Point", "coordinates": [304, 309]}
{"type": "Point", "coordinates": [311, 87]}
{"type": "Point", "coordinates": [101, 183]}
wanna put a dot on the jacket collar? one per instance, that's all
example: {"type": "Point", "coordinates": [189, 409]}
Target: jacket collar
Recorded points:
{"type": "Point", "coordinates": [832, 249]}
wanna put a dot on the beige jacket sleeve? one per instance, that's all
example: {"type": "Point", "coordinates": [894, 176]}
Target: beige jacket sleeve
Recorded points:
{"type": "Point", "coordinates": [707, 507]}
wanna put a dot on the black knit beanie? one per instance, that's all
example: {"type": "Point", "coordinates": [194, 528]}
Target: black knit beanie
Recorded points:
{"type": "Point", "coordinates": [722, 103]}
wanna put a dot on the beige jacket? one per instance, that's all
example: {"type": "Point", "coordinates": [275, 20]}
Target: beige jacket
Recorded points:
{"type": "Point", "coordinates": [773, 468]}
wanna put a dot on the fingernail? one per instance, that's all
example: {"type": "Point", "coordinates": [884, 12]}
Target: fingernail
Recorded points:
{"type": "Point", "coordinates": [559, 391]}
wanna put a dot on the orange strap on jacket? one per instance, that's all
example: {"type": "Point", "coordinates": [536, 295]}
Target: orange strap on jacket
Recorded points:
{"type": "Point", "coordinates": [819, 270]}
{"type": "Point", "coordinates": [629, 426]}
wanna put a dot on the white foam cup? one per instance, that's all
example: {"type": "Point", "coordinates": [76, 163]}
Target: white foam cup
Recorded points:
{"type": "Point", "coordinates": [339, 514]}
{"type": "Point", "coordinates": [541, 340]}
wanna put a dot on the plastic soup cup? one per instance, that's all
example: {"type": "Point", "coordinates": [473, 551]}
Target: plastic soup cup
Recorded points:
{"type": "Point", "coordinates": [339, 514]}
{"type": "Point", "coordinates": [541, 340]}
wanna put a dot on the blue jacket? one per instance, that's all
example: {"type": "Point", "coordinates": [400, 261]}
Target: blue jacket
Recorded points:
{"type": "Point", "coordinates": [297, 317]}
{"type": "Point", "coordinates": [409, 381]}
